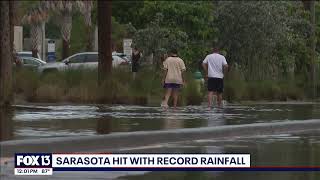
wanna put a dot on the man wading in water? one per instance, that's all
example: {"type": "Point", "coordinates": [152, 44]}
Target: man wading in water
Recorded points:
{"type": "Point", "coordinates": [215, 65]}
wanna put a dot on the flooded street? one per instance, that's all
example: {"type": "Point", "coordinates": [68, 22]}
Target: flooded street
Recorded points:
{"type": "Point", "coordinates": [280, 149]}
{"type": "Point", "coordinates": [277, 150]}
{"type": "Point", "coordinates": [302, 149]}
{"type": "Point", "coordinates": [64, 121]}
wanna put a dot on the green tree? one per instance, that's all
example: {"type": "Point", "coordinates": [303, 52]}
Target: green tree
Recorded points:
{"type": "Point", "coordinates": [85, 8]}
{"type": "Point", "coordinates": [126, 12]}
{"type": "Point", "coordinates": [36, 17]}
{"type": "Point", "coordinates": [196, 19]}
{"type": "Point", "coordinates": [260, 36]}
{"type": "Point", "coordinates": [157, 40]}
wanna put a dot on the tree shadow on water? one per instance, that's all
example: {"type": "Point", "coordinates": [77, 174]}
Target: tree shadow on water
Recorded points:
{"type": "Point", "coordinates": [104, 125]}
{"type": "Point", "coordinates": [6, 124]}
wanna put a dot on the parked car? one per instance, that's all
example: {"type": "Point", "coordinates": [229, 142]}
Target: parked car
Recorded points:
{"type": "Point", "coordinates": [123, 56]}
{"type": "Point", "coordinates": [26, 54]}
{"type": "Point", "coordinates": [86, 60]}
{"type": "Point", "coordinates": [30, 62]}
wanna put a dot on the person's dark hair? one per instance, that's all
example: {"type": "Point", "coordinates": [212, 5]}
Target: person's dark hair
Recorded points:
{"type": "Point", "coordinates": [174, 51]}
{"type": "Point", "coordinates": [215, 46]}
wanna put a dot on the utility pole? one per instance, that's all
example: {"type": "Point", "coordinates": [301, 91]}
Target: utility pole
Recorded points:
{"type": "Point", "coordinates": [104, 40]}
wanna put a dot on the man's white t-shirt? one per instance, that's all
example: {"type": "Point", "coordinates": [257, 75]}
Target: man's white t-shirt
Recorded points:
{"type": "Point", "coordinates": [215, 63]}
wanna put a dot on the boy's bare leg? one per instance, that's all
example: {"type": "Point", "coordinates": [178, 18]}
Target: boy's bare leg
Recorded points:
{"type": "Point", "coordinates": [167, 96]}
{"type": "Point", "coordinates": [134, 75]}
{"type": "Point", "coordinates": [175, 93]}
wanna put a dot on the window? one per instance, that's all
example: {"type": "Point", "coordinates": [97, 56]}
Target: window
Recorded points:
{"type": "Point", "coordinates": [92, 58]}
{"type": "Point", "coordinates": [77, 59]}
{"type": "Point", "coordinates": [31, 62]}
{"type": "Point", "coordinates": [24, 55]}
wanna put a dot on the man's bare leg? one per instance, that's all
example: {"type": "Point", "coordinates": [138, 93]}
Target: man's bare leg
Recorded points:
{"type": "Point", "coordinates": [210, 95]}
{"type": "Point", "coordinates": [219, 99]}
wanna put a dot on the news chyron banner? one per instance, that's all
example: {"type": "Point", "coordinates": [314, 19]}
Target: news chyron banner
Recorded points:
{"type": "Point", "coordinates": [46, 164]}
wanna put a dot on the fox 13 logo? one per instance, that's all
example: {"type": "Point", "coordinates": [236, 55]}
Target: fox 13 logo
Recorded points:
{"type": "Point", "coordinates": [34, 160]}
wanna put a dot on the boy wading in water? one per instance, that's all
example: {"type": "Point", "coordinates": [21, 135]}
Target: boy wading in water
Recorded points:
{"type": "Point", "coordinates": [173, 78]}
{"type": "Point", "coordinates": [215, 65]}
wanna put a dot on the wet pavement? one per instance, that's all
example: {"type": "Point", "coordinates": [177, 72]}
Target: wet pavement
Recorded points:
{"type": "Point", "coordinates": [64, 121]}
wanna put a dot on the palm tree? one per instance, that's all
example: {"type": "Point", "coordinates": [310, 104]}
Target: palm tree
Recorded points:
{"type": "Point", "coordinates": [36, 17]}
{"type": "Point", "coordinates": [85, 7]}
{"type": "Point", "coordinates": [15, 21]}
{"type": "Point", "coordinates": [104, 36]}
{"type": "Point", "coordinates": [64, 10]}
{"type": "Point", "coordinates": [6, 38]}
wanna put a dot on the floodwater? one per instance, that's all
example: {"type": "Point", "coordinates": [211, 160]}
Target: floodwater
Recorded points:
{"type": "Point", "coordinates": [62, 121]}
{"type": "Point", "coordinates": [278, 150]}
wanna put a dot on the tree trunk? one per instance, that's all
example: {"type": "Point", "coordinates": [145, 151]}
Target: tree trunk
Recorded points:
{"type": "Point", "coordinates": [89, 37]}
{"type": "Point", "coordinates": [16, 20]}
{"type": "Point", "coordinates": [313, 48]}
{"type": "Point", "coordinates": [104, 42]}
{"type": "Point", "coordinates": [12, 23]}
{"type": "Point", "coordinates": [5, 54]}
{"type": "Point", "coordinates": [36, 32]}
{"type": "Point", "coordinates": [66, 33]}
{"type": "Point", "coordinates": [65, 49]}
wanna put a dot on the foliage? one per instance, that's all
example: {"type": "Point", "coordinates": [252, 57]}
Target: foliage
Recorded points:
{"type": "Point", "coordinates": [77, 44]}
{"type": "Point", "coordinates": [127, 12]}
{"type": "Point", "coordinates": [267, 43]}
{"type": "Point", "coordinates": [120, 32]}
{"type": "Point", "coordinates": [158, 40]}
{"type": "Point", "coordinates": [195, 19]}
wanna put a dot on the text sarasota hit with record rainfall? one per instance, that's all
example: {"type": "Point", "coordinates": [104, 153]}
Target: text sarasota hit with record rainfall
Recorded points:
{"type": "Point", "coordinates": [110, 162]}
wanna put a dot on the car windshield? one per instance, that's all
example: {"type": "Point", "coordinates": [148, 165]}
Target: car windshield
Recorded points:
{"type": "Point", "coordinates": [24, 55]}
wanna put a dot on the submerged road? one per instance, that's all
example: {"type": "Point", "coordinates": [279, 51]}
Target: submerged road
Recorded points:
{"type": "Point", "coordinates": [146, 142]}
{"type": "Point", "coordinates": [114, 142]}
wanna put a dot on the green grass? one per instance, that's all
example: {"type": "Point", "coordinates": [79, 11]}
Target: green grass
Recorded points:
{"type": "Point", "coordinates": [81, 86]}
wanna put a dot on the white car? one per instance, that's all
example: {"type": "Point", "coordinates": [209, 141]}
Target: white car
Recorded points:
{"type": "Point", "coordinates": [86, 60]}
{"type": "Point", "coordinates": [26, 54]}
{"type": "Point", "coordinates": [30, 62]}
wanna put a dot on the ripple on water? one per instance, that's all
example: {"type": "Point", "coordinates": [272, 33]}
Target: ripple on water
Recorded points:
{"type": "Point", "coordinates": [84, 119]}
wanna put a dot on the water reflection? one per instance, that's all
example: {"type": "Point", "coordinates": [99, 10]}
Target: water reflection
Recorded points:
{"type": "Point", "coordinates": [61, 121]}
{"type": "Point", "coordinates": [104, 125]}
{"type": "Point", "coordinates": [172, 122]}
{"type": "Point", "coordinates": [6, 124]}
